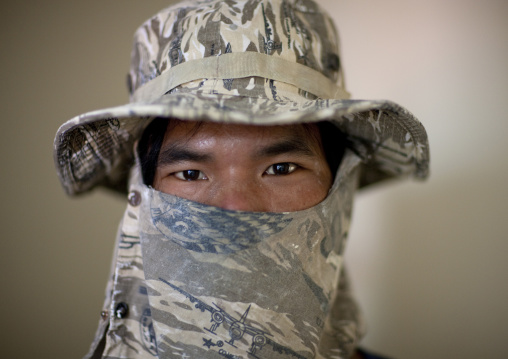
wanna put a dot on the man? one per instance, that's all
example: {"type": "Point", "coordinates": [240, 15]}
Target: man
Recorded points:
{"type": "Point", "coordinates": [240, 156]}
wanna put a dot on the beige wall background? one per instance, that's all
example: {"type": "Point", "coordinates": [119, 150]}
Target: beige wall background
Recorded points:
{"type": "Point", "coordinates": [429, 260]}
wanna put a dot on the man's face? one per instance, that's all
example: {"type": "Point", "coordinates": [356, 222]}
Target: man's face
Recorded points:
{"type": "Point", "coordinates": [243, 167]}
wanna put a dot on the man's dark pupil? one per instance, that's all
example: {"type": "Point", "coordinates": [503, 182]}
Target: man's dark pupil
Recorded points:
{"type": "Point", "coordinates": [281, 168]}
{"type": "Point", "coordinates": [191, 175]}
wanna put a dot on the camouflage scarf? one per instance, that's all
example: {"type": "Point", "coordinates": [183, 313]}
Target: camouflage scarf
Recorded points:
{"type": "Point", "coordinates": [196, 281]}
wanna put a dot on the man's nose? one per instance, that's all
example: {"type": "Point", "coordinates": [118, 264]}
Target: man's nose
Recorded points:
{"type": "Point", "coordinates": [240, 196]}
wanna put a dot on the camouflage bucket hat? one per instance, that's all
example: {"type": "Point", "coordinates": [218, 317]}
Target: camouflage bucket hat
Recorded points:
{"type": "Point", "coordinates": [261, 62]}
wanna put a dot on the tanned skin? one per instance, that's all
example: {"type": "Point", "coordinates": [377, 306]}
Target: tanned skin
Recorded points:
{"type": "Point", "coordinates": [244, 167]}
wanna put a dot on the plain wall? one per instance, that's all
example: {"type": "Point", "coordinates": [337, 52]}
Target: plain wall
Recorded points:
{"type": "Point", "coordinates": [428, 259]}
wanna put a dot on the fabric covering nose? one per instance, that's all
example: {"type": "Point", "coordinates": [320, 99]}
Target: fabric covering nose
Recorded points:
{"type": "Point", "coordinates": [244, 284]}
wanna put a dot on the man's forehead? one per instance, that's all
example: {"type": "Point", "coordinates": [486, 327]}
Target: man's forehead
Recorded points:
{"type": "Point", "coordinates": [203, 141]}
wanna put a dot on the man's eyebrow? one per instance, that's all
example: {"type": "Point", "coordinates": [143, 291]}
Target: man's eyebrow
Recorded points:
{"type": "Point", "coordinates": [293, 144]}
{"type": "Point", "coordinates": [177, 153]}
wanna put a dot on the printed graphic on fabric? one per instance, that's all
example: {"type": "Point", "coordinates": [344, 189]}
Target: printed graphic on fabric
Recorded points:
{"type": "Point", "coordinates": [228, 82]}
{"type": "Point", "coordinates": [236, 329]}
{"type": "Point", "coordinates": [188, 227]}
{"type": "Point", "coordinates": [128, 241]}
{"type": "Point", "coordinates": [270, 45]}
{"type": "Point", "coordinates": [147, 332]}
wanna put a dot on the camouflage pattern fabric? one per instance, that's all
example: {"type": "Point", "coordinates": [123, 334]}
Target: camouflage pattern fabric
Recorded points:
{"type": "Point", "coordinates": [196, 281]}
{"type": "Point", "coordinates": [268, 56]}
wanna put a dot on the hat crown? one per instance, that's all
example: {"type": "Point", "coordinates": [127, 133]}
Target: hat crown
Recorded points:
{"type": "Point", "coordinates": [261, 62]}
{"type": "Point", "coordinates": [296, 31]}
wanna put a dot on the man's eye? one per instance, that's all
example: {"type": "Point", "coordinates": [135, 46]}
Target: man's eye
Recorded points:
{"type": "Point", "coordinates": [190, 175]}
{"type": "Point", "coordinates": [284, 168]}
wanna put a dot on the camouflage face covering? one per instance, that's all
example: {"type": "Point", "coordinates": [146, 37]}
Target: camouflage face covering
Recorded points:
{"type": "Point", "coordinates": [233, 284]}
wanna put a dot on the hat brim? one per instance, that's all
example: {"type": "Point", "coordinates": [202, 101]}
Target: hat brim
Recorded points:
{"type": "Point", "coordinates": [96, 148]}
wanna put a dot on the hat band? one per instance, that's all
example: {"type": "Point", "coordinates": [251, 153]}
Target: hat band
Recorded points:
{"type": "Point", "coordinates": [239, 65]}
